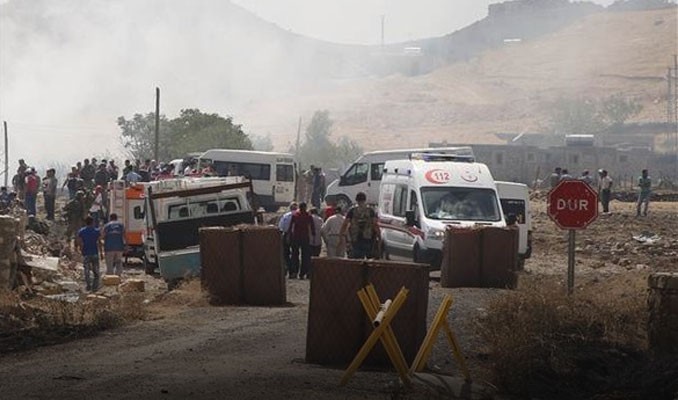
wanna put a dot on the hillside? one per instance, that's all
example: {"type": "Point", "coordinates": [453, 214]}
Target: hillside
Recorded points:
{"type": "Point", "coordinates": [507, 89]}
{"type": "Point", "coordinates": [68, 69]}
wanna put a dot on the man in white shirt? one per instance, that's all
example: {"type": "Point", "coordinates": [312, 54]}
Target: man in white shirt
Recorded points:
{"type": "Point", "coordinates": [605, 190]}
{"type": "Point", "coordinates": [283, 227]}
{"type": "Point", "coordinates": [330, 232]}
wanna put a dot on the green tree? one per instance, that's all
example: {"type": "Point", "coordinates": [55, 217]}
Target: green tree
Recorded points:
{"type": "Point", "coordinates": [191, 131]}
{"type": "Point", "coordinates": [262, 143]}
{"type": "Point", "coordinates": [138, 135]}
{"type": "Point", "coordinates": [616, 110]}
{"type": "Point", "coordinates": [319, 150]}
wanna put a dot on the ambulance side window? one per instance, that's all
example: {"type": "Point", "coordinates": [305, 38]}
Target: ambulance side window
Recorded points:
{"type": "Point", "coordinates": [386, 202]}
{"type": "Point", "coordinates": [138, 214]}
{"type": "Point", "coordinates": [400, 201]}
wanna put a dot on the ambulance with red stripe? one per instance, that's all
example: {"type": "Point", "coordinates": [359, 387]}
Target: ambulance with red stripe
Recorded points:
{"type": "Point", "coordinates": [421, 196]}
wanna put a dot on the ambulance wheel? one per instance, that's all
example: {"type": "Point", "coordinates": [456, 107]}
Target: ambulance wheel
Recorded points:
{"type": "Point", "coordinates": [343, 202]}
{"type": "Point", "coordinates": [173, 284]}
{"type": "Point", "coordinates": [384, 252]}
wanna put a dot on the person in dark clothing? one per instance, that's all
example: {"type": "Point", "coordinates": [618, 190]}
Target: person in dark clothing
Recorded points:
{"type": "Point", "coordinates": [300, 231]}
{"type": "Point", "coordinates": [362, 227]}
{"type": "Point", "coordinates": [87, 241]}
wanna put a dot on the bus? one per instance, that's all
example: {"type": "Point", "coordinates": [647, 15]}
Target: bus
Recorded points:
{"type": "Point", "coordinates": [273, 175]}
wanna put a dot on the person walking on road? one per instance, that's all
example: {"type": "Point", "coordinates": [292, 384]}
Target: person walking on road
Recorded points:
{"type": "Point", "coordinates": [284, 227]}
{"type": "Point", "coordinates": [301, 229]}
{"type": "Point", "coordinates": [113, 235]}
{"type": "Point", "coordinates": [362, 226]}
{"type": "Point", "coordinates": [605, 190]}
{"type": "Point", "coordinates": [88, 243]}
{"type": "Point", "coordinates": [330, 232]}
{"type": "Point", "coordinates": [645, 185]}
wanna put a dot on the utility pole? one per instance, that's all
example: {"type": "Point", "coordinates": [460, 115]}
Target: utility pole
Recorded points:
{"type": "Point", "coordinates": [4, 125]}
{"type": "Point", "coordinates": [296, 159]}
{"type": "Point", "coordinates": [673, 78]}
{"type": "Point", "coordinates": [157, 123]}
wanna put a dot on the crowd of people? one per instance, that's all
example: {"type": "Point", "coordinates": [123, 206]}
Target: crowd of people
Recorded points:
{"type": "Point", "coordinates": [604, 185]}
{"type": "Point", "coordinates": [354, 233]}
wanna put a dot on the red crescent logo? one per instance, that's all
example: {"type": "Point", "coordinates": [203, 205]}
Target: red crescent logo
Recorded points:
{"type": "Point", "coordinates": [469, 176]}
{"type": "Point", "coordinates": [437, 176]}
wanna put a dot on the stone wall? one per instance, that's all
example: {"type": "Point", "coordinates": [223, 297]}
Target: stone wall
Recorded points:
{"type": "Point", "coordinates": [663, 313]}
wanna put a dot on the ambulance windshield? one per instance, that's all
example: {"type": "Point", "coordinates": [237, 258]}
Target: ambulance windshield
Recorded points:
{"type": "Point", "coordinates": [458, 203]}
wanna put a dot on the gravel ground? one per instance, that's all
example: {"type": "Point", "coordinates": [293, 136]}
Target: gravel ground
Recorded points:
{"type": "Point", "coordinates": [187, 349]}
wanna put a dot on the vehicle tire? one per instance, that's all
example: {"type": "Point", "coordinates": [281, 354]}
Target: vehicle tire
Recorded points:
{"type": "Point", "coordinates": [343, 202]}
{"type": "Point", "coordinates": [149, 267]}
{"type": "Point", "coordinates": [271, 208]}
{"type": "Point", "coordinates": [416, 256]}
{"type": "Point", "coordinates": [173, 284]}
{"type": "Point", "coordinates": [384, 251]}
{"type": "Point", "coordinates": [521, 264]}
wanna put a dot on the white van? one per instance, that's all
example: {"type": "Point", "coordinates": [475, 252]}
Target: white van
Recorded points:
{"type": "Point", "coordinates": [420, 197]}
{"type": "Point", "coordinates": [364, 175]}
{"type": "Point", "coordinates": [515, 203]}
{"type": "Point", "coordinates": [273, 174]}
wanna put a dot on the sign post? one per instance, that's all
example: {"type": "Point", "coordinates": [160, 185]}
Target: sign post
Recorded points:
{"type": "Point", "coordinates": [572, 205]}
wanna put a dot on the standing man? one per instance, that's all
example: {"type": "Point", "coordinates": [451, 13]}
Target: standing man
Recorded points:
{"type": "Point", "coordinates": [316, 239]}
{"type": "Point", "coordinates": [605, 190]}
{"type": "Point", "coordinates": [20, 179]}
{"type": "Point", "coordinates": [75, 214]}
{"type": "Point", "coordinates": [318, 192]}
{"type": "Point", "coordinates": [301, 229]}
{"type": "Point", "coordinates": [362, 226]}
{"type": "Point", "coordinates": [31, 187]}
{"type": "Point", "coordinates": [88, 243]}
{"type": "Point", "coordinates": [284, 227]}
{"type": "Point", "coordinates": [585, 177]}
{"type": "Point", "coordinates": [87, 173]}
{"type": "Point", "coordinates": [113, 235]}
{"type": "Point", "coordinates": [330, 232]}
{"type": "Point", "coordinates": [645, 185]}
{"type": "Point", "coordinates": [49, 189]}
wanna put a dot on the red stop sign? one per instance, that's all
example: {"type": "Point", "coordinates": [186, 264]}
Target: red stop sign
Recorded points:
{"type": "Point", "coordinates": [573, 204]}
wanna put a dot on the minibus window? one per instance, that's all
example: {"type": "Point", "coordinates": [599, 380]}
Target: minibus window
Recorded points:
{"type": "Point", "coordinates": [284, 173]}
{"type": "Point", "coordinates": [515, 207]}
{"type": "Point", "coordinates": [456, 203]}
{"type": "Point", "coordinates": [356, 174]}
{"type": "Point", "coordinates": [376, 171]}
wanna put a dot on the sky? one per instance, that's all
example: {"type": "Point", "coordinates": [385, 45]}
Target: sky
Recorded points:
{"type": "Point", "coordinates": [359, 21]}
{"type": "Point", "coordinates": [72, 70]}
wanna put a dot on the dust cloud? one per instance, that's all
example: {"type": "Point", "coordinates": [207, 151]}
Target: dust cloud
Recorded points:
{"type": "Point", "coordinates": [70, 68]}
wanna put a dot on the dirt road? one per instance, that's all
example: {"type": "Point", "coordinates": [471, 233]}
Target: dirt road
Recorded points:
{"type": "Point", "coordinates": [207, 352]}
{"type": "Point", "coordinates": [191, 350]}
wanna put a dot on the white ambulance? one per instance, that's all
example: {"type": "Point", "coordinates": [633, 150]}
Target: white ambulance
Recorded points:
{"type": "Point", "coordinates": [364, 175]}
{"type": "Point", "coordinates": [420, 197]}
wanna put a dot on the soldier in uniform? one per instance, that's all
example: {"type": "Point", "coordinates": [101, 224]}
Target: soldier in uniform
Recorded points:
{"type": "Point", "coordinates": [75, 211]}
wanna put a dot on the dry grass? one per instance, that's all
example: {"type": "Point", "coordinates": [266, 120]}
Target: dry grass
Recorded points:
{"type": "Point", "coordinates": [40, 321]}
{"type": "Point", "coordinates": [546, 344]}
